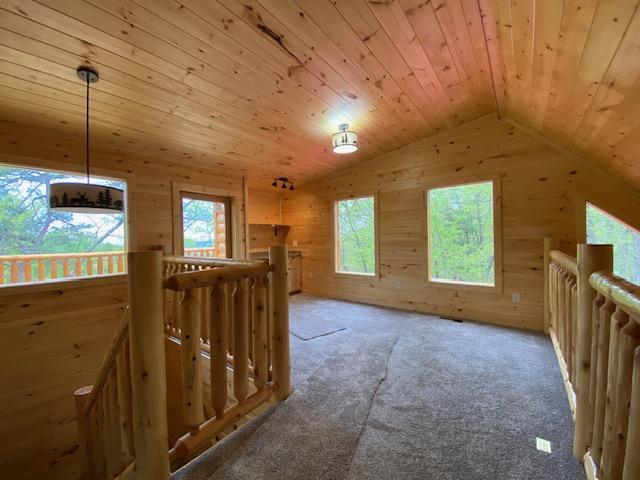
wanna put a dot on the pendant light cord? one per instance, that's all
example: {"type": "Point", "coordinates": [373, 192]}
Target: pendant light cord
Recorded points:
{"type": "Point", "coordinates": [87, 128]}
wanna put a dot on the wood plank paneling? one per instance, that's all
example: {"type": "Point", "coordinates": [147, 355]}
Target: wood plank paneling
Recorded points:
{"type": "Point", "coordinates": [541, 185]}
{"type": "Point", "coordinates": [256, 86]}
{"type": "Point", "coordinates": [53, 339]}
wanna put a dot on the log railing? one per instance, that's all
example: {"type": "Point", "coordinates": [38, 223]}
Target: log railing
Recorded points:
{"type": "Point", "coordinates": [105, 427]}
{"type": "Point", "coordinates": [51, 266]}
{"type": "Point", "coordinates": [563, 270]}
{"type": "Point", "coordinates": [34, 268]}
{"type": "Point", "coordinates": [597, 338]}
{"type": "Point", "coordinates": [122, 418]}
{"type": "Point", "coordinates": [614, 406]}
{"type": "Point", "coordinates": [237, 312]}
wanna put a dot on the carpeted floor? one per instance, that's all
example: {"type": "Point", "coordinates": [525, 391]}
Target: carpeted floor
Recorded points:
{"type": "Point", "coordinates": [400, 395]}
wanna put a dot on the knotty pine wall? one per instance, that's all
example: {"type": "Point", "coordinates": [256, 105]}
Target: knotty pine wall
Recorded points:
{"type": "Point", "coordinates": [541, 186]}
{"type": "Point", "coordinates": [53, 338]}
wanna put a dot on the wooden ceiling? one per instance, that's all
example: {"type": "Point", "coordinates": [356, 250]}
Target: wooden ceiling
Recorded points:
{"type": "Point", "coordinates": [259, 86]}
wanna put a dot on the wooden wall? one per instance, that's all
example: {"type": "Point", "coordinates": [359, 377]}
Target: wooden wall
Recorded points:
{"type": "Point", "coordinates": [264, 207]}
{"type": "Point", "coordinates": [53, 340]}
{"type": "Point", "coordinates": [541, 185]}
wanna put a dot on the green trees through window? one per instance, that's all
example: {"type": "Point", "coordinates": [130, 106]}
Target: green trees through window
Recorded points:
{"type": "Point", "coordinates": [461, 235]}
{"type": "Point", "coordinates": [602, 228]}
{"type": "Point", "coordinates": [355, 236]}
{"type": "Point", "coordinates": [29, 227]}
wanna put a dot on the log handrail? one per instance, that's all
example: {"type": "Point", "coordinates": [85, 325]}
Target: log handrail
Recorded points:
{"type": "Point", "coordinates": [566, 261]}
{"type": "Point", "coordinates": [216, 276]}
{"type": "Point", "coordinates": [618, 290]}
{"type": "Point", "coordinates": [115, 346]}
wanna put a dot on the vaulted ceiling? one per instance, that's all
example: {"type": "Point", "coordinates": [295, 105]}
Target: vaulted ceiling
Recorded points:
{"type": "Point", "coordinates": [259, 86]}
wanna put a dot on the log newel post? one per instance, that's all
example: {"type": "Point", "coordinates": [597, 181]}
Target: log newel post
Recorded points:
{"type": "Point", "coordinates": [278, 257]}
{"type": "Point", "coordinates": [80, 397]}
{"type": "Point", "coordinates": [148, 381]}
{"type": "Point", "coordinates": [549, 244]}
{"type": "Point", "coordinates": [591, 258]}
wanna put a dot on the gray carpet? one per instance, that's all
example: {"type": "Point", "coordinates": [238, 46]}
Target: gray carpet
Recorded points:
{"type": "Point", "coordinates": [403, 395]}
{"type": "Point", "coordinates": [311, 327]}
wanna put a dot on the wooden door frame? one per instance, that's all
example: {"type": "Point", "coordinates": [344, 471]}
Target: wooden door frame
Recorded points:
{"type": "Point", "coordinates": [179, 190]}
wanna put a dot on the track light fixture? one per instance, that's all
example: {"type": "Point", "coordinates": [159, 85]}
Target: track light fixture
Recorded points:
{"type": "Point", "coordinates": [284, 183]}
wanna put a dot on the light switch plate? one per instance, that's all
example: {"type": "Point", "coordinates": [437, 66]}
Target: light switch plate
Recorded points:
{"type": "Point", "coordinates": [515, 297]}
{"type": "Point", "coordinates": [294, 243]}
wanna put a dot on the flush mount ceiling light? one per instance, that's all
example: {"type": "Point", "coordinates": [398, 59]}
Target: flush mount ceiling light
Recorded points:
{"type": "Point", "coordinates": [86, 197]}
{"type": "Point", "coordinates": [345, 141]}
{"type": "Point", "coordinates": [285, 181]}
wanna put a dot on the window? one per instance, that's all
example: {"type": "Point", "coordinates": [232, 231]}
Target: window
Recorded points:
{"type": "Point", "coordinates": [355, 236]}
{"type": "Point", "coordinates": [37, 244]}
{"type": "Point", "coordinates": [602, 228]}
{"type": "Point", "coordinates": [205, 225]}
{"type": "Point", "coordinates": [462, 234]}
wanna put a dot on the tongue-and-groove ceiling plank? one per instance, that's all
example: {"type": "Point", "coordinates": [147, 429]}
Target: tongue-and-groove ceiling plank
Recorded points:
{"type": "Point", "coordinates": [572, 72]}
{"type": "Point", "coordinates": [259, 86]}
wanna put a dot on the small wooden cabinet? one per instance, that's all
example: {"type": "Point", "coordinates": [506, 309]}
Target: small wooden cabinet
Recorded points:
{"type": "Point", "coordinates": [295, 274]}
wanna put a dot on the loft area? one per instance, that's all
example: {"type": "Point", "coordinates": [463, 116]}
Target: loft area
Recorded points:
{"type": "Point", "coordinates": [319, 239]}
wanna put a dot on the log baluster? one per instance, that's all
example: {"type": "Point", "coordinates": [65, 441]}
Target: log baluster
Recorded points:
{"type": "Point", "coordinates": [598, 301]}
{"type": "Point", "coordinates": [218, 321]}
{"type": "Point", "coordinates": [605, 313]}
{"type": "Point", "coordinates": [241, 341]}
{"type": "Point", "coordinates": [618, 320]}
{"type": "Point", "coordinates": [628, 341]}
{"type": "Point", "coordinates": [192, 406]}
{"type": "Point", "coordinates": [124, 404]}
{"type": "Point", "coordinates": [568, 310]}
{"type": "Point", "coordinates": [631, 469]}
{"type": "Point", "coordinates": [259, 334]}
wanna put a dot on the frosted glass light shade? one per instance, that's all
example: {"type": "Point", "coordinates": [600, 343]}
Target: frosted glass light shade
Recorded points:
{"type": "Point", "coordinates": [345, 141]}
{"type": "Point", "coordinates": [85, 198]}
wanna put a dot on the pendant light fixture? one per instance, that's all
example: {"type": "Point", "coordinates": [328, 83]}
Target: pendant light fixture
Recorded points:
{"type": "Point", "coordinates": [345, 141]}
{"type": "Point", "coordinates": [86, 197]}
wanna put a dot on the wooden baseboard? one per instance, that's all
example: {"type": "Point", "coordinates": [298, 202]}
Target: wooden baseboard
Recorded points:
{"type": "Point", "coordinates": [571, 396]}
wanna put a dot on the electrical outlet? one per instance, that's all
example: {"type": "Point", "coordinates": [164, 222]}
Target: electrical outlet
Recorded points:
{"type": "Point", "coordinates": [398, 285]}
{"type": "Point", "coordinates": [515, 298]}
{"type": "Point", "coordinates": [294, 243]}
{"type": "Point", "coordinates": [310, 274]}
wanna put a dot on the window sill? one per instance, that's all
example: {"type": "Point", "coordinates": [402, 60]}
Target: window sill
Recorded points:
{"type": "Point", "coordinates": [356, 274]}
{"type": "Point", "coordinates": [457, 285]}
{"type": "Point", "coordinates": [62, 284]}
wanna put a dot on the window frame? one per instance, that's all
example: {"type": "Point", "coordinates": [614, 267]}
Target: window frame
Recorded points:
{"type": "Point", "coordinates": [376, 236]}
{"type": "Point", "coordinates": [130, 237]}
{"type": "Point", "coordinates": [179, 190]}
{"type": "Point", "coordinates": [214, 199]}
{"type": "Point", "coordinates": [495, 180]}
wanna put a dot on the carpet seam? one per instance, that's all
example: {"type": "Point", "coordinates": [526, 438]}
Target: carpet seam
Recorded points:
{"type": "Point", "coordinates": [373, 398]}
